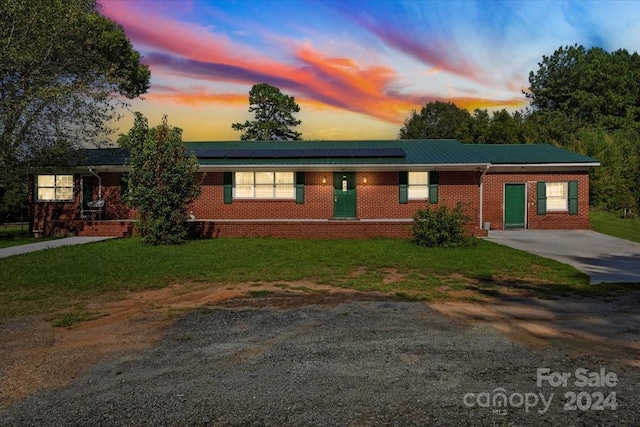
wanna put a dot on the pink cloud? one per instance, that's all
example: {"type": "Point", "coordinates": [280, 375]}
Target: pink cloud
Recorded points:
{"type": "Point", "coordinates": [187, 40]}
{"type": "Point", "coordinates": [192, 51]}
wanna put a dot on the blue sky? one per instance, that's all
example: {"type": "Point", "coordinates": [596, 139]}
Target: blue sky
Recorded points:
{"type": "Point", "coordinates": [356, 68]}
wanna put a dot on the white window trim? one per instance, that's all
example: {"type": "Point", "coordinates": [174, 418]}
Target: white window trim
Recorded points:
{"type": "Point", "coordinates": [420, 191]}
{"type": "Point", "coordinates": [55, 188]}
{"type": "Point", "coordinates": [564, 197]}
{"type": "Point", "coordinates": [289, 186]}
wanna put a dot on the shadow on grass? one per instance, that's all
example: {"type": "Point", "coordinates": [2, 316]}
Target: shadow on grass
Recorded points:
{"type": "Point", "coordinates": [490, 286]}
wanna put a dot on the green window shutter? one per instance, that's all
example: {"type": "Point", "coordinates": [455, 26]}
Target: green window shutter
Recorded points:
{"type": "Point", "coordinates": [542, 197]}
{"type": "Point", "coordinates": [434, 180]}
{"type": "Point", "coordinates": [227, 181]}
{"type": "Point", "coordinates": [299, 188]}
{"type": "Point", "coordinates": [573, 197]}
{"type": "Point", "coordinates": [403, 187]}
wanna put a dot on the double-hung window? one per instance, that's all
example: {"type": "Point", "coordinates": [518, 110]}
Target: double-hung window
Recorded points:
{"type": "Point", "coordinates": [264, 185]}
{"type": "Point", "coordinates": [54, 188]}
{"type": "Point", "coordinates": [557, 196]}
{"type": "Point", "coordinates": [418, 187]}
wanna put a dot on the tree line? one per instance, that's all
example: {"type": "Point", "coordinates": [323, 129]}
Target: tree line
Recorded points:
{"type": "Point", "coordinates": [585, 100]}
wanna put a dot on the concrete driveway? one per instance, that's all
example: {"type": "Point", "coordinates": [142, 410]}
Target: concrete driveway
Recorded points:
{"type": "Point", "coordinates": [48, 244]}
{"type": "Point", "coordinates": [604, 258]}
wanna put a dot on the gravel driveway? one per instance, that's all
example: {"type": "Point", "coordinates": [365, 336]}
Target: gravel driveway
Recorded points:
{"type": "Point", "coordinates": [337, 360]}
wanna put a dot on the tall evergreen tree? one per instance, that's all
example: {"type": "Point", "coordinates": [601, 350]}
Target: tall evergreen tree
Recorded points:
{"type": "Point", "coordinates": [273, 116]}
{"type": "Point", "coordinates": [162, 181]}
{"type": "Point", "coordinates": [591, 86]}
{"type": "Point", "coordinates": [588, 100]}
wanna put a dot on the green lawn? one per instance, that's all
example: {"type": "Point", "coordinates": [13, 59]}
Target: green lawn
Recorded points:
{"type": "Point", "coordinates": [56, 280]}
{"type": "Point", "coordinates": [614, 225]}
{"type": "Point", "coordinates": [14, 235]}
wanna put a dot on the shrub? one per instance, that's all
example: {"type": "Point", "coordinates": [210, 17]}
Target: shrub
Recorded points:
{"type": "Point", "coordinates": [162, 181]}
{"type": "Point", "coordinates": [440, 227]}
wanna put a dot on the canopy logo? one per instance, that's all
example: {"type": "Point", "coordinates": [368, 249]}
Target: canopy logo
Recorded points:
{"type": "Point", "coordinates": [582, 400]}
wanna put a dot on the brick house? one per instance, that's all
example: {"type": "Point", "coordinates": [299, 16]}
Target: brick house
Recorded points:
{"type": "Point", "coordinates": [339, 189]}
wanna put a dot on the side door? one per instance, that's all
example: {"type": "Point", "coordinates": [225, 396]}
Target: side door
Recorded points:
{"type": "Point", "coordinates": [514, 205]}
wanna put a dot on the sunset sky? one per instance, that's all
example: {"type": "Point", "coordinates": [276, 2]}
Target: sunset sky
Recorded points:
{"type": "Point", "coordinates": [356, 68]}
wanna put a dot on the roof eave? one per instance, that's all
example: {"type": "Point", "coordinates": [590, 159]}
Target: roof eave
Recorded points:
{"type": "Point", "coordinates": [590, 164]}
{"type": "Point", "coordinates": [347, 167]}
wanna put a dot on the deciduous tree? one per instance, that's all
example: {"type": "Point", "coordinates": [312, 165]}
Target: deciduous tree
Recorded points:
{"type": "Point", "coordinates": [64, 70]}
{"type": "Point", "coordinates": [436, 120]}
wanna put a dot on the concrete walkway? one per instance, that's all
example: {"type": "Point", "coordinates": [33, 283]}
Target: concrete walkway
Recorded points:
{"type": "Point", "coordinates": [32, 247]}
{"type": "Point", "coordinates": [604, 258]}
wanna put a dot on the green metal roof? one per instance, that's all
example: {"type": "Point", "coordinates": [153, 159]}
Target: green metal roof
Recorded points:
{"type": "Point", "coordinates": [103, 157]}
{"type": "Point", "coordinates": [527, 154]}
{"type": "Point", "coordinates": [433, 151]}
{"type": "Point", "coordinates": [416, 152]}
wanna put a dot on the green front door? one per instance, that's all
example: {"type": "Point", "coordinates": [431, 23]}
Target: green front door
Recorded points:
{"type": "Point", "coordinates": [344, 195]}
{"type": "Point", "coordinates": [514, 204]}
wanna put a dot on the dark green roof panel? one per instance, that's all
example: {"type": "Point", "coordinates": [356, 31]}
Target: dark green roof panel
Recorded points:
{"type": "Point", "coordinates": [527, 154]}
{"type": "Point", "coordinates": [398, 152]}
{"type": "Point", "coordinates": [432, 151]}
{"type": "Point", "coordinates": [104, 157]}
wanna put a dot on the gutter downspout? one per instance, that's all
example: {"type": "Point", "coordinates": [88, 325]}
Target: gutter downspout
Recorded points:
{"type": "Point", "coordinates": [99, 183]}
{"type": "Point", "coordinates": [481, 194]}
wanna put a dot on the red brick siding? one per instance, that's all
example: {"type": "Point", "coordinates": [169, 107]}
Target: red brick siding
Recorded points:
{"type": "Point", "coordinates": [44, 212]}
{"type": "Point", "coordinates": [377, 199]}
{"type": "Point", "coordinates": [320, 229]}
{"type": "Point", "coordinates": [114, 208]}
{"type": "Point", "coordinates": [318, 202]}
{"type": "Point", "coordinates": [493, 203]}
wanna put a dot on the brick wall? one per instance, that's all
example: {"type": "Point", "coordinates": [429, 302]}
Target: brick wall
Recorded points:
{"type": "Point", "coordinates": [114, 208]}
{"type": "Point", "coordinates": [377, 199]}
{"type": "Point", "coordinates": [493, 203]}
{"type": "Point", "coordinates": [312, 229]}
{"type": "Point", "coordinates": [44, 212]}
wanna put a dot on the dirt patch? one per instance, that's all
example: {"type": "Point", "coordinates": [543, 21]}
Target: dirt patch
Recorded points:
{"type": "Point", "coordinates": [367, 361]}
{"type": "Point", "coordinates": [391, 275]}
{"type": "Point", "coordinates": [38, 356]}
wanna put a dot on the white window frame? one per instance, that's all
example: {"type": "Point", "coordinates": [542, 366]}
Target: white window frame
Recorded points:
{"type": "Point", "coordinates": [418, 185]}
{"type": "Point", "coordinates": [54, 188]}
{"type": "Point", "coordinates": [264, 185]}
{"type": "Point", "coordinates": [557, 194]}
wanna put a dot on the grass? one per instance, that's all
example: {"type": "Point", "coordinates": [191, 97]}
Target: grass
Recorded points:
{"type": "Point", "coordinates": [63, 281]}
{"type": "Point", "coordinates": [614, 225]}
{"type": "Point", "coordinates": [14, 235]}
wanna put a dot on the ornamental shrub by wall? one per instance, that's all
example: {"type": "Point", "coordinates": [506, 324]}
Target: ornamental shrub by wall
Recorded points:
{"type": "Point", "coordinates": [440, 227]}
